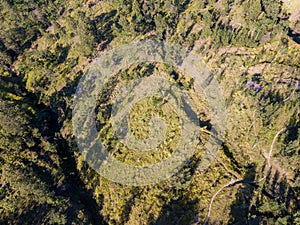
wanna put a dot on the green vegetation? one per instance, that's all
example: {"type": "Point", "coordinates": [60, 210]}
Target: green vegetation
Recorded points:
{"type": "Point", "coordinates": [251, 46]}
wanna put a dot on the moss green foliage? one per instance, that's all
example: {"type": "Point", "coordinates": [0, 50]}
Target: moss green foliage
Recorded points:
{"type": "Point", "coordinates": [45, 48]}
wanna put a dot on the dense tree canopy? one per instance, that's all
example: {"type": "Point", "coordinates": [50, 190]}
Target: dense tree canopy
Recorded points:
{"type": "Point", "coordinates": [251, 47]}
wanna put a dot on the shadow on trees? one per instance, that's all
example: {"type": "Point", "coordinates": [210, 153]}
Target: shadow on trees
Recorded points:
{"type": "Point", "coordinates": [177, 212]}
{"type": "Point", "coordinates": [181, 210]}
{"type": "Point", "coordinates": [274, 200]}
{"type": "Point", "coordinates": [73, 187]}
{"type": "Point", "coordinates": [241, 206]}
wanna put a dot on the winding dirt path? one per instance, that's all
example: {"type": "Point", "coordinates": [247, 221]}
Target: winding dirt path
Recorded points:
{"type": "Point", "coordinates": [242, 181]}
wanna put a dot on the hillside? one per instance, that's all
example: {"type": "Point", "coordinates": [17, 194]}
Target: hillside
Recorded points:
{"type": "Point", "coordinates": [51, 52]}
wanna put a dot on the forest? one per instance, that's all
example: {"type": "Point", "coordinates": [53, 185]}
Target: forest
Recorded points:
{"type": "Point", "coordinates": [251, 47]}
